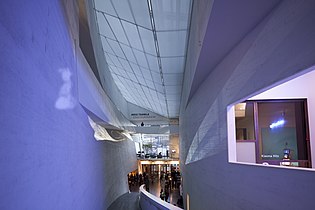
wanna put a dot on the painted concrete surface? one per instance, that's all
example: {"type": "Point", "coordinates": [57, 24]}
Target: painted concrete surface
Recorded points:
{"type": "Point", "coordinates": [279, 47]}
{"type": "Point", "coordinates": [128, 201]}
{"type": "Point", "coordinates": [48, 156]}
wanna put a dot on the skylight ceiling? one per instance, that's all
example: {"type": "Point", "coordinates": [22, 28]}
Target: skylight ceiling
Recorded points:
{"type": "Point", "coordinates": [144, 43]}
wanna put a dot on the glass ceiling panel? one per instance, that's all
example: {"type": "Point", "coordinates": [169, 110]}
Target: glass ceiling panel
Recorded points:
{"type": "Point", "coordinates": [115, 46]}
{"type": "Point", "coordinates": [171, 15]}
{"type": "Point", "coordinates": [123, 9]}
{"type": "Point", "coordinates": [109, 60]}
{"type": "Point", "coordinates": [173, 79]}
{"type": "Point", "coordinates": [147, 40]}
{"type": "Point", "coordinates": [137, 87]}
{"type": "Point", "coordinates": [133, 35]}
{"type": "Point", "coordinates": [172, 89]}
{"type": "Point", "coordinates": [117, 29]}
{"type": "Point", "coordinates": [153, 63]}
{"type": "Point", "coordinates": [156, 77]}
{"type": "Point", "coordinates": [113, 69]}
{"type": "Point", "coordinates": [105, 6]}
{"type": "Point", "coordinates": [141, 80]}
{"type": "Point", "coordinates": [173, 65]}
{"type": "Point", "coordinates": [172, 43]}
{"type": "Point", "coordinates": [150, 84]}
{"type": "Point", "coordinates": [120, 72]}
{"type": "Point", "coordinates": [136, 69]}
{"type": "Point", "coordinates": [146, 73]}
{"type": "Point", "coordinates": [103, 26]}
{"type": "Point", "coordinates": [141, 13]}
{"type": "Point", "coordinates": [132, 58]}
{"type": "Point", "coordinates": [142, 61]}
{"type": "Point", "coordinates": [173, 97]}
{"type": "Point", "coordinates": [129, 54]}
{"type": "Point", "coordinates": [132, 77]}
{"type": "Point", "coordinates": [115, 60]}
{"type": "Point", "coordinates": [159, 88]}
{"type": "Point", "coordinates": [125, 64]}
{"type": "Point", "coordinates": [106, 46]}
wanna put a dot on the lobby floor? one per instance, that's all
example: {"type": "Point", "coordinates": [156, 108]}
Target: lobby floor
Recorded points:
{"type": "Point", "coordinates": [155, 189]}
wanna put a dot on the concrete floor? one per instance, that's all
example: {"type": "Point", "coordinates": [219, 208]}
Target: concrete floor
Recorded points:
{"type": "Point", "coordinates": [128, 201]}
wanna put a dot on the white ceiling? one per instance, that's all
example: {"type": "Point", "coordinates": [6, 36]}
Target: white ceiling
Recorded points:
{"type": "Point", "coordinates": [144, 43]}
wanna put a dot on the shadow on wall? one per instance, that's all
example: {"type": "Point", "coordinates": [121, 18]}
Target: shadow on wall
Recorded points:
{"type": "Point", "coordinates": [65, 99]}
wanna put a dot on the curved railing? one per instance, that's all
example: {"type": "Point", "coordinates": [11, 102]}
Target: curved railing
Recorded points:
{"type": "Point", "coordinates": [151, 202]}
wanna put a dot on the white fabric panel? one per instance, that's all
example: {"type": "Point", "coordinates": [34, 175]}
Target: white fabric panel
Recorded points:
{"type": "Point", "coordinates": [172, 43]}
{"type": "Point", "coordinates": [173, 65]}
{"type": "Point", "coordinates": [173, 89]}
{"type": "Point", "coordinates": [171, 15]}
{"type": "Point", "coordinates": [173, 79]}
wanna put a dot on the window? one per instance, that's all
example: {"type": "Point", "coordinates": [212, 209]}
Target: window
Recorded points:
{"type": "Point", "coordinates": [273, 132]}
{"type": "Point", "coordinates": [274, 126]}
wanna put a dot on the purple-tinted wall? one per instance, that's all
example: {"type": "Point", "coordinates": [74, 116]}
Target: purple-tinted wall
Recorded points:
{"type": "Point", "coordinates": [48, 156]}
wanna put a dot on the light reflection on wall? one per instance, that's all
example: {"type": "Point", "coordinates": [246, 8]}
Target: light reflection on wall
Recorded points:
{"type": "Point", "coordinates": [65, 99]}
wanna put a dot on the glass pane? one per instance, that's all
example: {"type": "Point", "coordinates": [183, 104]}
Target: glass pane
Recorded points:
{"type": "Point", "coordinates": [173, 79]}
{"type": "Point", "coordinates": [117, 29]}
{"type": "Point", "coordinates": [128, 53]}
{"type": "Point", "coordinates": [172, 89]}
{"type": "Point", "coordinates": [146, 73]}
{"type": "Point", "coordinates": [105, 6]}
{"type": "Point", "coordinates": [244, 121]}
{"type": "Point", "coordinates": [136, 69]}
{"type": "Point", "coordinates": [156, 78]}
{"type": "Point", "coordinates": [116, 48]}
{"type": "Point", "coordinates": [177, 40]}
{"type": "Point", "coordinates": [147, 40]}
{"type": "Point", "coordinates": [173, 65]}
{"type": "Point", "coordinates": [123, 10]}
{"type": "Point", "coordinates": [106, 46]}
{"type": "Point", "coordinates": [133, 35]}
{"type": "Point", "coordinates": [282, 130]}
{"type": "Point", "coordinates": [132, 77]}
{"type": "Point", "coordinates": [141, 12]}
{"type": "Point", "coordinates": [142, 61]}
{"type": "Point", "coordinates": [104, 28]}
{"type": "Point", "coordinates": [171, 15]}
{"type": "Point", "coordinates": [109, 60]}
{"type": "Point", "coordinates": [115, 60]}
{"type": "Point", "coordinates": [153, 63]}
